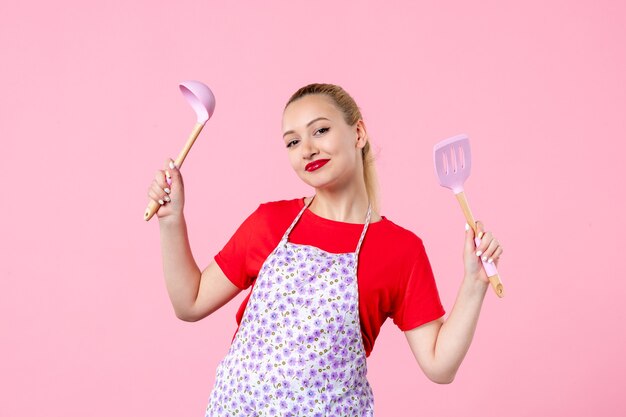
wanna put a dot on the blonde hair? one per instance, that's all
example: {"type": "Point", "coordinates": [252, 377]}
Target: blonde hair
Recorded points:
{"type": "Point", "coordinates": [351, 115]}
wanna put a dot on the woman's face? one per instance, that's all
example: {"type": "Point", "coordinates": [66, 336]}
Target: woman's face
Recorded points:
{"type": "Point", "coordinates": [323, 149]}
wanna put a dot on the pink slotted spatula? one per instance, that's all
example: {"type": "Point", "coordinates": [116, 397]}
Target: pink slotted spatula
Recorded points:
{"type": "Point", "coordinates": [453, 162]}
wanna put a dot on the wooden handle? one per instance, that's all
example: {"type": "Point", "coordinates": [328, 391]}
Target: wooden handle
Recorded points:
{"type": "Point", "coordinates": [153, 206]}
{"type": "Point", "coordinates": [192, 138]}
{"type": "Point", "coordinates": [494, 279]}
{"type": "Point", "coordinates": [466, 210]}
{"type": "Point", "coordinates": [496, 284]}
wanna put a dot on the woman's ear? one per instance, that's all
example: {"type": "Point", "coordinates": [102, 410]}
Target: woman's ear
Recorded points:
{"type": "Point", "coordinates": [361, 134]}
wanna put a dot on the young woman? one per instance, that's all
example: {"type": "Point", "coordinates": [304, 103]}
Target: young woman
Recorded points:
{"type": "Point", "coordinates": [326, 271]}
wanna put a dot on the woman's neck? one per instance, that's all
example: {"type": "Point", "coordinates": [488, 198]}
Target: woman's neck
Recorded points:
{"type": "Point", "coordinates": [347, 205]}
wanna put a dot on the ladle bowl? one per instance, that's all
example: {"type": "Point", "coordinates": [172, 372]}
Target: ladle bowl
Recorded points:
{"type": "Point", "coordinates": [200, 97]}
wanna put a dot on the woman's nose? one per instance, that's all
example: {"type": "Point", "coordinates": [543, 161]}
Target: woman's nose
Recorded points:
{"type": "Point", "coordinates": [308, 149]}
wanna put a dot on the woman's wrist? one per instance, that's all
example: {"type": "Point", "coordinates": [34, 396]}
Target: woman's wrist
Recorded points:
{"type": "Point", "coordinates": [173, 220]}
{"type": "Point", "coordinates": [474, 284]}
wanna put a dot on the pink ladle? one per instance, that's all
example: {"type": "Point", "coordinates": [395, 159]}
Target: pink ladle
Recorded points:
{"type": "Point", "coordinates": [202, 100]}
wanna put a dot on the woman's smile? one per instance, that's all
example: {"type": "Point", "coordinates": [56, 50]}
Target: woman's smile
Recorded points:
{"type": "Point", "coordinates": [312, 166]}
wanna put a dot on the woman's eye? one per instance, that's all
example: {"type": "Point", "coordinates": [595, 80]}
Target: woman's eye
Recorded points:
{"type": "Point", "coordinates": [292, 143]}
{"type": "Point", "coordinates": [322, 130]}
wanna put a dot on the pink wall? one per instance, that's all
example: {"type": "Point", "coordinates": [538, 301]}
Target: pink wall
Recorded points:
{"type": "Point", "coordinates": [89, 109]}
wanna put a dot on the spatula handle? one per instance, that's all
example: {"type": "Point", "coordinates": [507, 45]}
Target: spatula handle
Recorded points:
{"type": "Point", "coordinates": [490, 269]}
{"type": "Point", "coordinates": [153, 206]}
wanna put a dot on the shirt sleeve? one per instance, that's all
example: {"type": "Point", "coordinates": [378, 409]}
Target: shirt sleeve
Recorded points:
{"type": "Point", "coordinates": [420, 302]}
{"type": "Point", "coordinates": [233, 259]}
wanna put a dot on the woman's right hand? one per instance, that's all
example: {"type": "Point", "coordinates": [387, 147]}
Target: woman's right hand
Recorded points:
{"type": "Point", "coordinates": [170, 195]}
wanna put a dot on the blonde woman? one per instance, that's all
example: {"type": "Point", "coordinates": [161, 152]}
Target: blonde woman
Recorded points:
{"type": "Point", "coordinates": [324, 273]}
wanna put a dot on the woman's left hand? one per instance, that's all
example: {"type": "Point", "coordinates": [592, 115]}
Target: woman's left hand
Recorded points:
{"type": "Point", "coordinates": [489, 249]}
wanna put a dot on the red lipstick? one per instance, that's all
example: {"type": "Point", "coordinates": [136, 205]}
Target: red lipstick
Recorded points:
{"type": "Point", "coordinates": [312, 166]}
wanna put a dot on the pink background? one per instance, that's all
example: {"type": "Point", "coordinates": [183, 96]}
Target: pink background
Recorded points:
{"type": "Point", "coordinates": [90, 108]}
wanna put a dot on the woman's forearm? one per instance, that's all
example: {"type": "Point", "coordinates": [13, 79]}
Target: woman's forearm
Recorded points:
{"type": "Point", "coordinates": [456, 333]}
{"type": "Point", "coordinates": [182, 275]}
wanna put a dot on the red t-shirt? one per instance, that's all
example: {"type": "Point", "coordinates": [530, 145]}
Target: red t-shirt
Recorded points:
{"type": "Point", "coordinates": [394, 275]}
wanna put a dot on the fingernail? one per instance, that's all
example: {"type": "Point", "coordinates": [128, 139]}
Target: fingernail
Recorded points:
{"type": "Point", "coordinates": [161, 202]}
{"type": "Point", "coordinates": [167, 190]}
{"type": "Point", "coordinates": [466, 227]}
{"type": "Point", "coordinates": [479, 253]}
{"type": "Point", "coordinates": [490, 260]}
{"type": "Point", "coordinates": [167, 198]}
{"type": "Point", "coordinates": [172, 166]}
{"type": "Point", "coordinates": [484, 258]}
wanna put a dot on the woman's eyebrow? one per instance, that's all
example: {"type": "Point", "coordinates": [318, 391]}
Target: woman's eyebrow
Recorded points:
{"type": "Point", "coordinates": [307, 125]}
